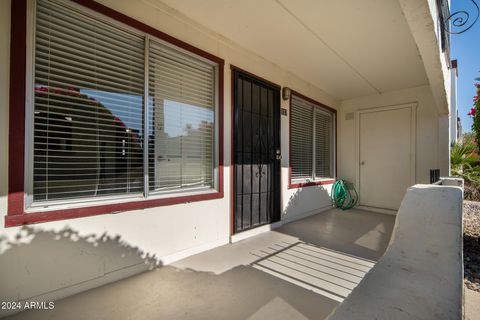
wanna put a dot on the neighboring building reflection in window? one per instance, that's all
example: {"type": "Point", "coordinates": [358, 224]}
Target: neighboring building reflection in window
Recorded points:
{"type": "Point", "coordinates": [83, 148]}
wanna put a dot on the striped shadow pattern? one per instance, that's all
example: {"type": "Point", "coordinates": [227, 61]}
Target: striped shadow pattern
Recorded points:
{"type": "Point", "coordinates": [326, 272]}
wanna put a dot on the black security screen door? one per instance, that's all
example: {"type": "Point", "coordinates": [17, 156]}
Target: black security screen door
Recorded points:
{"type": "Point", "coordinates": [255, 147]}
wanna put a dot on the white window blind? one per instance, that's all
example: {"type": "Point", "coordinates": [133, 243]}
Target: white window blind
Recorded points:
{"type": "Point", "coordinates": [89, 84]}
{"type": "Point", "coordinates": [181, 113]}
{"type": "Point", "coordinates": [311, 131]}
{"type": "Point", "coordinates": [301, 140]}
{"type": "Point", "coordinates": [323, 144]}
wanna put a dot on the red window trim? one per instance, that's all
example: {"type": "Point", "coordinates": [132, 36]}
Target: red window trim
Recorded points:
{"type": "Point", "coordinates": [292, 185]}
{"type": "Point", "coordinates": [16, 214]}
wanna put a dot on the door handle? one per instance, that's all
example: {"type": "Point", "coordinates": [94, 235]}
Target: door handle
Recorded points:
{"type": "Point", "coordinates": [362, 163]}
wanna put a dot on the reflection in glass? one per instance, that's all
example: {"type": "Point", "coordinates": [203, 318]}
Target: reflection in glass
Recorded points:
{"type": "Point", "coordinates": [89, 87]}
{"type": "Point", "coordinates": [85, 145]}
{"type": "Point", "coordinates": [181, 120]}
{"type": "Point", "coordinates": [182, 146]}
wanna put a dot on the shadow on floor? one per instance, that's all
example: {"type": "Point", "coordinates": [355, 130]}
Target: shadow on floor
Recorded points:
{"type": "Point", "coordinates": [329, 273]}
{"type": "Point", "coordinates": [357, 232]}
{"type": "Point", "coordinates": [300, 271]}
{"type": "Point", "coordinates": [172, 293]}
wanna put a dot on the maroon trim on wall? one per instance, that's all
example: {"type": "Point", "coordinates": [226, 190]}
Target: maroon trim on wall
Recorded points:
{"type": "Point", "coordinates": [54, 215]}
{"type": "Point", "coordinates": [16, 214]}
{"type": "Point", "coordinates": [221, 71]}
{"type": "Point", "coordinates": [313, 183]}
{"type": "Point", "coordinates": [309, 184]}
{"type": "Point", "coordinates": [454, 65]}
{"type": "Point", "coordinates": [115, 15]}
{"type": "Point", "coordinates": [232, 155]}
{"type": "Point", "coordinates": [16, 139]}
{"type": "Point", "coordinates": [298, 94]}
{"type": "Point", "coordinates": [233, 68]}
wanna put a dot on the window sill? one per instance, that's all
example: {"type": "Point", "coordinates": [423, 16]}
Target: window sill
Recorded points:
{"type": "Point", "coordinates": [303, 184]}
{"type": "Point", "coordinates": [56, 213]}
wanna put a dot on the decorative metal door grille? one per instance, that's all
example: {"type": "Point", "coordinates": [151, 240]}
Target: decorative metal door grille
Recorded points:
{"type": "Point", "coordinates": [256, 141]}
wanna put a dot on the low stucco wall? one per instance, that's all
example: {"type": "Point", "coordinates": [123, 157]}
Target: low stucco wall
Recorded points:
{"type": "Point", "coordinates": [421, 274]}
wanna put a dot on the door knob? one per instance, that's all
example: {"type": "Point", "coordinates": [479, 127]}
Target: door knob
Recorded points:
{"type": "Point", "coordinates": [278, 155]}
{"type": "Point", "coordinates": [362, 163]}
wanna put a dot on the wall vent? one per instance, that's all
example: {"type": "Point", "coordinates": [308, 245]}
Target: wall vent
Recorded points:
{"type": "Point", "coordinates": [349, 116]}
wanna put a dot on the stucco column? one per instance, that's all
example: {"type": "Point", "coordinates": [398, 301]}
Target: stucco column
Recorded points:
{"type": "Point", "coordinates": [453, 102]}
{"type": "Point", "coordinates": [444, 144]}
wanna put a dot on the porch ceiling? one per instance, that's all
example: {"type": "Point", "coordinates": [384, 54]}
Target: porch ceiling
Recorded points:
{"type": "Point", "coordinates": [348, 48]}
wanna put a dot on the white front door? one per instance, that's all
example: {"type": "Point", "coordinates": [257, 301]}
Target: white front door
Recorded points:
{"type": "Point", "coordinates": [386, 155]}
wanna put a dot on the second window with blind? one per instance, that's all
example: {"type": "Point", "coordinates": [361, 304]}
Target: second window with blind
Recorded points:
{"type": "Point", "coordinates": [312, 141]}
{"type": "Point", "coordinates": [116, 112]}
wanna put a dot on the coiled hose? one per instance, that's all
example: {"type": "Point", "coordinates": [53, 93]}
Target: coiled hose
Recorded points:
{"type": "Point", "coordinates": [344, 195]}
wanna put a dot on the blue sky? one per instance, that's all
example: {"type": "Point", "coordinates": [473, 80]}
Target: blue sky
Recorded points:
{"type": "Point", "coordinates": [465, 48]}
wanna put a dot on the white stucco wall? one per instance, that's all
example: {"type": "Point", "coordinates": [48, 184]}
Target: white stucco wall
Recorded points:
{"type": "Point", "coordinates": [432, 4]}
{"type": "Point", "coordinates": [422, 18]}
{"type": "Point", "coordinates": [427, 130]}
{"type": "Point", "coordinates": [56, 259]}
{"type": "Point", "coordinates": [444, 144]}
{"type": "Point", "coordinates": [453, 105]}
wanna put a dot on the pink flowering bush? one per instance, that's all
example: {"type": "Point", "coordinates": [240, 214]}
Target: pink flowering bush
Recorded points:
{"type": "Point", "coordinates": [476, 115]}
{"type": "Point", "coordinates": [465, 154]}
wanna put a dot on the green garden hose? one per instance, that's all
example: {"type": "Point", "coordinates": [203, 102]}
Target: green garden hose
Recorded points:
{"type": "Point", "coordinates": [344, 195]}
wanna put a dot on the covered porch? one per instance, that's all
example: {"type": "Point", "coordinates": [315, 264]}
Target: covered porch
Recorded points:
{"type": "Point", "coordinates": [375, 66]}
{"type": "Point", "coordinates": [301, 270]}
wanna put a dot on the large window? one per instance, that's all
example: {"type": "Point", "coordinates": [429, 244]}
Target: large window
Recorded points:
{"type": "Point", "coordinates": [181, 109]}
{"type": "Point", "coordinates": [312, 143]}
{"type": "Point", "coordinates": [116, 112]}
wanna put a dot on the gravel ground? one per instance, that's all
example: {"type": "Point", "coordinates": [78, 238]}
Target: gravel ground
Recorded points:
{"type": "Point", "coordinates": [471, 244]}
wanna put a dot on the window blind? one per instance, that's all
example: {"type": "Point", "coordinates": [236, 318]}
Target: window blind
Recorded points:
{"type": "Point", "coordinates": [301, 140]}
{"type": "Point", "coordinates": [311, 131]}
{"type": "Point", "coordinates": [181, 127]}
{"type": "Point", "coordinates": [323, 144]}
{"type": "Point", "coordinates": [88, 96]}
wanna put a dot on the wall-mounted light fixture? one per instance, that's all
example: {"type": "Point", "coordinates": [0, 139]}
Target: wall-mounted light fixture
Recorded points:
{"type": "Point", "coordinates": [286, 92]}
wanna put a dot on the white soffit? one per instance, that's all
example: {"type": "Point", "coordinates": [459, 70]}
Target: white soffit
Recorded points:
{"type": "Point", "coordinates": [347, 48]}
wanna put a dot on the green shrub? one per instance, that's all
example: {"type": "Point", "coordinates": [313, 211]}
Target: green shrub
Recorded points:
{"type": "Point", "coordinates": [465, 161]}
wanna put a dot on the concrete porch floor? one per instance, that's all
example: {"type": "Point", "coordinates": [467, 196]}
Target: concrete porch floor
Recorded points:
{"type": "Point", "coordinates": [299, 271]}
